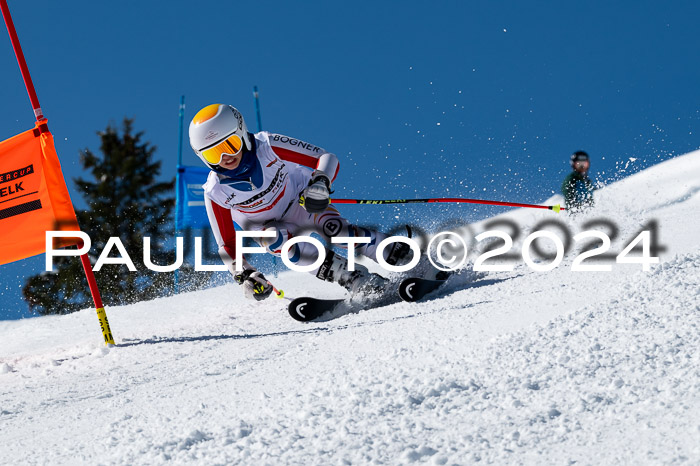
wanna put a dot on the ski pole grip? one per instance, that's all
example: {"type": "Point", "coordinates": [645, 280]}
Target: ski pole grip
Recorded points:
{"type": "Point", "coordinates": [278, 293]}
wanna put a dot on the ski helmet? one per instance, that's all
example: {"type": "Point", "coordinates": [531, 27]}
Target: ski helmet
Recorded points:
{"type": "Point", "coordinates": [579, 156]}
{"type": "Point", "coordinates": [216, 130]}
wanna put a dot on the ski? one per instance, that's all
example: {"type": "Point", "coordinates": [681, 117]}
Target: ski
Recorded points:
{"type": "Point", "coordinates": [306, 309]}
{"type": "Point", "coordinates": [415, 288]}
{"type": "Point", "coordinates": [369, 293]}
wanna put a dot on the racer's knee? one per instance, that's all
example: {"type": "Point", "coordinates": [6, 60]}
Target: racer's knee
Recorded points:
{"type": "Point", "coordinates": [330, 223]}
{"type": "Point", "coordinates": [274, 244]}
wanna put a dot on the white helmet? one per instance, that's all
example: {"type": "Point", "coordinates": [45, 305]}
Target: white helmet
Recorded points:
{"type": "Point", "coordinates": [218, 129]}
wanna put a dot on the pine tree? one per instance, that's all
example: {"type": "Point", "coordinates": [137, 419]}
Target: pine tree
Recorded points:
{"type": "Point", "coordinates": [125, 200]}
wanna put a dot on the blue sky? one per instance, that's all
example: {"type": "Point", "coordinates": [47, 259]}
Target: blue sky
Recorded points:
{"type": "Point", "coordinates": [418, 99]}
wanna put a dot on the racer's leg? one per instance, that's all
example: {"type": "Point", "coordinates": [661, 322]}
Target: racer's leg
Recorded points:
{"type": "Point", "coordinates": [331, 224]}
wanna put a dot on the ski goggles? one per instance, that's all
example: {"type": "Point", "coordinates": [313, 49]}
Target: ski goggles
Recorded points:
{"type": "Point", "coordinates": [230, 146]}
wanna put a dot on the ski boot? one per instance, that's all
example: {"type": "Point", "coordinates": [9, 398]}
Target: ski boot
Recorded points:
{"type": "Point", "coordinates": [399, 254]}
{"type": "Point", "coordinates": [359, 281]}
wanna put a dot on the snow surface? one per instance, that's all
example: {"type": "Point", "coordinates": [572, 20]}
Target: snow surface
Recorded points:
{"type": "Point", "coordinates": [518, 367]}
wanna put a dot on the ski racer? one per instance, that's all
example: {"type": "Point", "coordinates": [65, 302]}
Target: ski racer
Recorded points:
{"type": "Point", "coordinates": [266, 181]}
{"type": "Point", "coordinates": [577, 187]}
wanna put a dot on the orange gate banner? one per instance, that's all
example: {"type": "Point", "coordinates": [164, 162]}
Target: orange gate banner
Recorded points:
{"type": "Point", "coordinates": [33, 195]}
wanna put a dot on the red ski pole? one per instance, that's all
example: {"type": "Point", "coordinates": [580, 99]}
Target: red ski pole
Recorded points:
{"type": "Point", "coordinates": [555, 208]}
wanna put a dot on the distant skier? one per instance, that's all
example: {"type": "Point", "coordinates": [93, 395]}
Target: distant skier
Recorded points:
{"type": "Point", "coordinates": [577, 187]}
{"type": "Point", "coordinates": [266, 181]}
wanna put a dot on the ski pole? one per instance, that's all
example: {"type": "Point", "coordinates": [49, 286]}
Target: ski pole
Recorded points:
{"type": "Point", "coordinates": [555, 208]}
{"type": "Point", "coordinates": [278, 293]}
{"type": "Point", "coordinates": [258, 286]}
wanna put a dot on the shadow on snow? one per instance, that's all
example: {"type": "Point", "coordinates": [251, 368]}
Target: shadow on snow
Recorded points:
{"type": "Point", "coordinates": [350, 308]}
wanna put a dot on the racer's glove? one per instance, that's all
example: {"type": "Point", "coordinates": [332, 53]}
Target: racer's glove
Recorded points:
{"type": "Point", "coordinates": [255, 286]}
{"type": "Point", "coordinates": [317, 195]}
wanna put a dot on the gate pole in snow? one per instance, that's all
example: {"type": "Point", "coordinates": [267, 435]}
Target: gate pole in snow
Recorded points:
{"type": "Point", "coordinates": [95, 291]}
{"type": "Point", "coordinates": [101, 314]}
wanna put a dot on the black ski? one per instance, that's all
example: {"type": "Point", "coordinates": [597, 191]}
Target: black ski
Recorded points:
{"type": "Point", "coordinates": [415, 288]}
{"type": "Point", "coordinates": [306, 309]}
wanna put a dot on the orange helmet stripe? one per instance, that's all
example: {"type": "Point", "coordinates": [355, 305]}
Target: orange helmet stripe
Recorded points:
{"type": "Point", "coordinates": [206, 113]}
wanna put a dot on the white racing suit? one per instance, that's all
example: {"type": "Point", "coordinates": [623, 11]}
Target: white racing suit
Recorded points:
{"type": "Point", "coordinates": [272, 203]}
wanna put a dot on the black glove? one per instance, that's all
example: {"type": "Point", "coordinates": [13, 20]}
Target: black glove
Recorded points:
{"type": "Point", "coordinates": [255, 286]}
{"type": "Point", "coordinates": [317, 195]}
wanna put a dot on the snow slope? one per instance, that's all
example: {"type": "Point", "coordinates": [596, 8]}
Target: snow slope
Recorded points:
{"type": "Point", "coordinates": [518, 367]}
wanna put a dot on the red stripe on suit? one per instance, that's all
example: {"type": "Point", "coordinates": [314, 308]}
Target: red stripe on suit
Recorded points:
{"type": "Point", "coordinates": [301, 159]}
{"type": "Point", "coordinates": [226, 229]}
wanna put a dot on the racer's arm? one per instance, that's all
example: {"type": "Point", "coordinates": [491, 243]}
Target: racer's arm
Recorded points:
{"type": "Point", "coordinates": [303, 153]}
{"type": "Point", "coordinates": [316, 196]}
{"type": "Point", "coordinates": [255, 285]}
{"type": "Point", "coordinates": [224, 232]}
